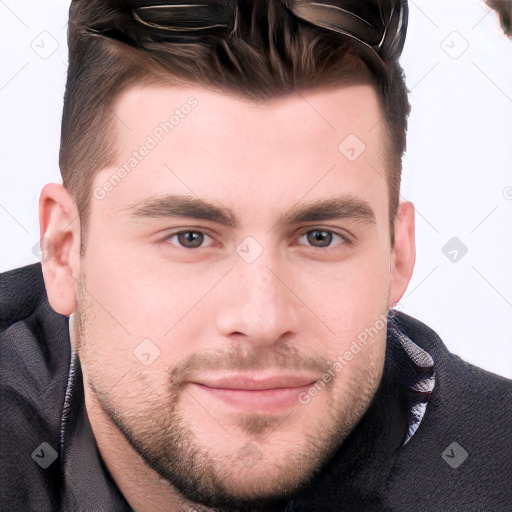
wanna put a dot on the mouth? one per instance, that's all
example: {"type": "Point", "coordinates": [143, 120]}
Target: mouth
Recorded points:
{"type": "Point", "coordinates": [255, 393]}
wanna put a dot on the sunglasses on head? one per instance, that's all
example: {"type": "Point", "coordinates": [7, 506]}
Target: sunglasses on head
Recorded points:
{"type": "Point", "coordinates": [377, 27]}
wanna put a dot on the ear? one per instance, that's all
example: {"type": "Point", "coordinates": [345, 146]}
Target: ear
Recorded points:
{"type": "Point", "coordinates": [60, 246]}
{"type": "Point", "coordinates": [403, 253]}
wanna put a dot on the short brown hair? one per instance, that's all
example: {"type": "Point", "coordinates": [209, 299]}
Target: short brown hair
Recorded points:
{"type": "Point", "coordinates": [270, 53]}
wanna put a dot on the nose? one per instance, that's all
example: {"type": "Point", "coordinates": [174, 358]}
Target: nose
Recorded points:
{"type": "Point", "coordinates": [257, 304]}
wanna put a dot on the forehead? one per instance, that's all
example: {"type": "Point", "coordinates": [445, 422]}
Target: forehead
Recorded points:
{"type": "Point", "coordinates": [337, 109]}
{"type": "Point", "coordinates": [191, 140]}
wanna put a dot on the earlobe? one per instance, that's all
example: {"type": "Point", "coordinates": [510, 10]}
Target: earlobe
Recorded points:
{"type": "Point", "coordinates": [403, 253]}
{"type": "Point", "coordinates": [60, 246]}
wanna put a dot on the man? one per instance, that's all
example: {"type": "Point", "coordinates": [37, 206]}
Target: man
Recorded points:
{"type": "Point", "coordinates": [210, 328]}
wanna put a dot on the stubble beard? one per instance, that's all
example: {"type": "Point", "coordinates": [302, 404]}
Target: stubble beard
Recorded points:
{"type": "Point", "coordinates": [161, 435]}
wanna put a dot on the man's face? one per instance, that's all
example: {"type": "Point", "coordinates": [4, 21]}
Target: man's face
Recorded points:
{"type": "Point", "coordinates": [226, 271]}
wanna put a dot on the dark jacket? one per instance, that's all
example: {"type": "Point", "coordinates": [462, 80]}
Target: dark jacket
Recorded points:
{"type": "Point", "coordinates": [436, 437]}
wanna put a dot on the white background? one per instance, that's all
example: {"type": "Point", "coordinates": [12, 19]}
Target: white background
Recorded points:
{"type": "Point", "coordinates": [457, 171]}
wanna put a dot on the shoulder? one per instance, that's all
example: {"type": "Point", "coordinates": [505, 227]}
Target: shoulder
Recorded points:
{"type": "Point", "coordinates": [35, 353]}
{"type": "Point", "coordinates": [35, 339]}
{"type": "Point", "coordinates": [21, 290]}
{"type": "Point", "coordinates": [461, 455]}
{"type": "Point", "coordinates": [456, 379]}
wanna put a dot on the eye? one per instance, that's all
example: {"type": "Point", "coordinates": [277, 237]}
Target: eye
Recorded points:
{"type": "Point", "coordinates": [188, 239]}
{"type": "Point", "coordinates": [323, 238]}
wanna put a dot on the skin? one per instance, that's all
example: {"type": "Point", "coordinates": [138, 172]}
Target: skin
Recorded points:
{"type": "Point", "coordinates": [292, 311]}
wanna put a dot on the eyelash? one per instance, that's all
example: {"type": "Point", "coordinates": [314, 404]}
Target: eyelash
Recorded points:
{"type": "Point", "coordinates": [344, 239]}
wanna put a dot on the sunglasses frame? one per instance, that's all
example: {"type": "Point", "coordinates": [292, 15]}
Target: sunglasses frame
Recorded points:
{"type": "Point", "coordinates": [381, 44]}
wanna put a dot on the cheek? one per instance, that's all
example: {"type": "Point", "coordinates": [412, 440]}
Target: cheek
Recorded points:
{"type": "Point", "coordinates": [131, 290]}
{"type": "Point", "coordinates": [352, 295]}
{"type": "Point", "coordinates": [142, 314]}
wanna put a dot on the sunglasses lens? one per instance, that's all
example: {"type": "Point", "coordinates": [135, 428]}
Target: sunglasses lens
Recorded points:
{"type": "Point", "coordinates": [190, 17]}
{"type": "Point", "coordinates": [378, 25]}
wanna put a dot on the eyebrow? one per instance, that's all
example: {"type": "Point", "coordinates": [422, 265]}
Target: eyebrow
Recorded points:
{"type": "Point", "coordinates": [171, 205]}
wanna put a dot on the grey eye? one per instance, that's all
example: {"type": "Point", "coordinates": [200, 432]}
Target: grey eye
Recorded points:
{"type": "Point", "coordinates": [319, 238]}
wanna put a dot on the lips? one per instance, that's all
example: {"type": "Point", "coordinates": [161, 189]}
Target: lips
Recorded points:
{"type": "Point", "coordinates": [254, 393]}
{"type": "Point", "coordinates": [255, 381]}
